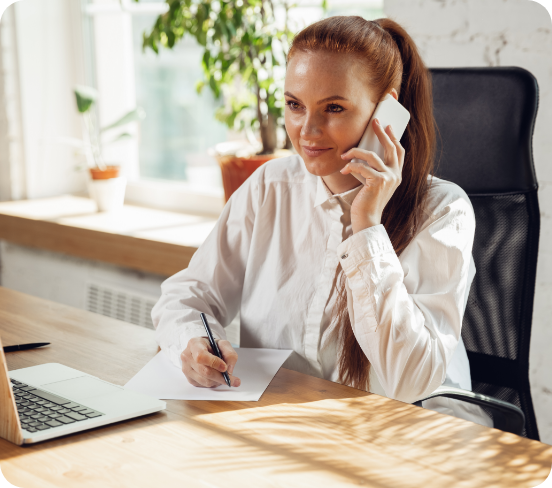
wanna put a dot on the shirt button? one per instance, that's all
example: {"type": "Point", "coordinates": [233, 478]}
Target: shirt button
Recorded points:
{"type": "Point", "coordinates": [344, 256]}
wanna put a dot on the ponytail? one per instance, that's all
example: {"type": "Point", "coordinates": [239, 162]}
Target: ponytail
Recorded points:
{"type": "Point", "coordinates": [392, 61]}
{"type": "Point", "coordinates": [418, 140]}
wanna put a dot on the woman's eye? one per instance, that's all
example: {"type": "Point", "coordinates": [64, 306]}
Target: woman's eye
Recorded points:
{"type": "Point", "coordinates": [332, 107]}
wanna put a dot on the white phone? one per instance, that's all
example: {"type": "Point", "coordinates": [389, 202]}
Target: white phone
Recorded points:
{"type": "Point", "coordinates": [388, 112]}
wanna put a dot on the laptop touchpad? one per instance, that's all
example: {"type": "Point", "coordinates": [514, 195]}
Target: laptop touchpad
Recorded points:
{"type": "Point", "coordinates": [81, 388]}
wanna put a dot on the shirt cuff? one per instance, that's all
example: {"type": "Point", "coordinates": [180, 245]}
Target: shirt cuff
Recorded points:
{"type": "Point", "coordinates": [362, 246]}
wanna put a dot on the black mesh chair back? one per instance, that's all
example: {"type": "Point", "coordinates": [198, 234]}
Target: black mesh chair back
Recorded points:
{"type": "Point", "coordinates": [485, 119]}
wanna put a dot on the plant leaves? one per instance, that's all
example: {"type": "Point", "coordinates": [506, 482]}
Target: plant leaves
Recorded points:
{"type": "Point", "coordinates": [137, 114]}
{"type": "Point", "coordinates": [124, 135]}
{"type": "Point", "coordinates": [86, 96]}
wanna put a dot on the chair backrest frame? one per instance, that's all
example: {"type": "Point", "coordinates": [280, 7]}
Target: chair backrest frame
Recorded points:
{"type": "Point", "coordinates": [485, 119]}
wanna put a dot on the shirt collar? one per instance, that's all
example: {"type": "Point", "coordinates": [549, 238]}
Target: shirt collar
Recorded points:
{"type": "Point", "coordinates": [323, 194]}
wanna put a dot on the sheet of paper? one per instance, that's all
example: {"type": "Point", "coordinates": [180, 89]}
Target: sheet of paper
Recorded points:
{"type": "Point", "coordinates": [255, 368]}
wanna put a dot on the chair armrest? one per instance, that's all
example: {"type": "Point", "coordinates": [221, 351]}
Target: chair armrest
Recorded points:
{"type": "Point", "coordinates": [506, 416]}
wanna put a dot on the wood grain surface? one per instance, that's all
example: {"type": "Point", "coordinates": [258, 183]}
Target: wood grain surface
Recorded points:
{"type": "Point", "coordinates": [142, 254]}
{"type": "Point", "coordinates": [304, 432]}
{"type": "Point", "coordinates": [155, 241]}
{"type": "Point", "coordinates": [10, 427]}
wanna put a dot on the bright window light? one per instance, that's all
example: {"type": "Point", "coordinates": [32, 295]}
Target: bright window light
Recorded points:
{"type": "Point", "coordinates": [180, 127]}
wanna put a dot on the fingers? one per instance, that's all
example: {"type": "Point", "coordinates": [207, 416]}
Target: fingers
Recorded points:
{"type": "Point", "coordinates": [193, 377]}
{"type": "Point", "coordinates": [201, 354]}
{"type": "Point", "coordinates": [394, 152]}
{"type": "Point", "coordinates": [370, 157]}
{"type": "Point", "coordinates": [397, 144]}
{"type": "Point", "coordinates": [362, 169]}
{"type": "Point", "coordinates": [383, 136]}
{"type": "Point", "coordinates": [202, 368]}
{"type": "Point", "coordinates": [210, 377]}
{"type": "Point", "coordinates": [228, 354]}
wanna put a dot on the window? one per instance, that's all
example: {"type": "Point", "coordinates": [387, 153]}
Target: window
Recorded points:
{"type": "Point", "coordinates": [173, 141]}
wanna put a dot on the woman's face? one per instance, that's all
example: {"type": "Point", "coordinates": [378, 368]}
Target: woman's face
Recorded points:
{"type": "Point", "coordinates": [328, 106]}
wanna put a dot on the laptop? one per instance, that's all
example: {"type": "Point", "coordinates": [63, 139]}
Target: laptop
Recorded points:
{"type": "Point", "coordinates": [52, 400]}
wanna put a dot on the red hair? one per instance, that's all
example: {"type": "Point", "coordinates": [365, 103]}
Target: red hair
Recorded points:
{"type": "Point", "coordinates": [392, 61]}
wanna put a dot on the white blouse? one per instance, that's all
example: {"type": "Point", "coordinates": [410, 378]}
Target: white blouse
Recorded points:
{"type": "Point", "coordinates": [273, 255]}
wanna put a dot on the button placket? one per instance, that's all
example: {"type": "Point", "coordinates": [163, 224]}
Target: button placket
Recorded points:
{"type": "Point", "coordinates": [323, 288]}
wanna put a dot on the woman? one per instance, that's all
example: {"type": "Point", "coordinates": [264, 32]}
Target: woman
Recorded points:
{"type": "Point", "coordinates": [366, 284]}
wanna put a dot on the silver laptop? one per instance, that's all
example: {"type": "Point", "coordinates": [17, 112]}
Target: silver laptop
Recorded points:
{"type": "Point", "coordinates": [52, 400]}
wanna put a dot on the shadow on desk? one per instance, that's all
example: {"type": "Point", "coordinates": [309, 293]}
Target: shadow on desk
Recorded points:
{"type": "Point", "coordinates": [349, 440]}
{"type": "Point", "coordinates": [304, 431]}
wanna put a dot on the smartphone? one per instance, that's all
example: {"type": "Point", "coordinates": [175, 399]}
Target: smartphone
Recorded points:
{"type": "Point", "coordinates": [388, 112]}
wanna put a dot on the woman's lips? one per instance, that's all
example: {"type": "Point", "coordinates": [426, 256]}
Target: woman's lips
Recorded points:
{"type": "Point", "coordinates": [315, 151]}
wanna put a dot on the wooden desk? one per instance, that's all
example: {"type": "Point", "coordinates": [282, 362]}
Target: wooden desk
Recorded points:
{"type": "Point", "coordinates": [304, 432]}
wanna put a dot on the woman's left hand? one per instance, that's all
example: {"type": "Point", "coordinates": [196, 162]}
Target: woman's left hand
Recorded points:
{"type": "Point", "coordinates": [382, 177]}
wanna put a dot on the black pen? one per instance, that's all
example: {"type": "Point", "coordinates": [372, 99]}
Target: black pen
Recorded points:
{"type": "Point", "coordinates": [24, 347]}
{"type": "Point", "coordinates": [214, 345]}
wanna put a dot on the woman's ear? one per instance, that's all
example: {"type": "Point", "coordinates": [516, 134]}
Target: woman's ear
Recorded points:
{"type": "Point", "coordinates": [394, 94]}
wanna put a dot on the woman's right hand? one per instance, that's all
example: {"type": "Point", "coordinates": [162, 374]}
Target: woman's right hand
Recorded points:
{"type": "Point", "coordinates": [203, 368]}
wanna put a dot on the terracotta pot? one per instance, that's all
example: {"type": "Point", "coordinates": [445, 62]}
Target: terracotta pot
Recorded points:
{"type": "Point", "coordinates": [105, 174]}
{"type": "Point", "coordinates": [235, 170]}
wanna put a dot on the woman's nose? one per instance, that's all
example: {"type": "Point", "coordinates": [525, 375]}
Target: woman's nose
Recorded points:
{"type": "Point", "coordinates": [311, 128]}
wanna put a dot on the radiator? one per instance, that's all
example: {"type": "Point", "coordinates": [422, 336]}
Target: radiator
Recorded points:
{"type": "Point", "coordinates": [119, 303]}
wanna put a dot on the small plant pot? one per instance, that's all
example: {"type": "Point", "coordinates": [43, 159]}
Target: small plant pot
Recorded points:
{"type": "Point", "coordinates": [105, 174]}
{"type": "Point", "coordinates": [107, 191]}
{"type": "Point", "coordinates": [235, 170]}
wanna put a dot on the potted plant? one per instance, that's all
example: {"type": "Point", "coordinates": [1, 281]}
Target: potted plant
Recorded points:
{"type": "Point", "coordinates": [106, 186]}
{"type": "Point", "coordinates": [244, 58]}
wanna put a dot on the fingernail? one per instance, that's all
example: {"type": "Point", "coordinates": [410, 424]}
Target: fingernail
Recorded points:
{"type": "Point", "coordinates": [236, 382]}
{"type": "Point", "coordinates": [377, 121]}
{"type": "Point", "coordinates": [231, 369]}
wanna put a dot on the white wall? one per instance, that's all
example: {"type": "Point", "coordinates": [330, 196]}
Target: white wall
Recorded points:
{"type": "Point", "coordinates": [64, 279]}
{"type": "Point", "coordinates": [502, 33]}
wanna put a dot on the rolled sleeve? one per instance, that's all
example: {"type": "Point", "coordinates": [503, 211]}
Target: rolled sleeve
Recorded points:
{"type": "Point", "coordinates": [213, 281]}
{"type": "Point", "coordinates": [407, 313]}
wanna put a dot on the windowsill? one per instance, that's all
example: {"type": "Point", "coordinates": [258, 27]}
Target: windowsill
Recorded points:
{"type": "Point", "coordinates": [151, 240]}
{"type": "Point", "coordinates": [175, 196]}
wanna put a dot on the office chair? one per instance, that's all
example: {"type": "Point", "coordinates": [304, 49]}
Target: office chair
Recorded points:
{"type": "Point", "coordinates": [485, 119]}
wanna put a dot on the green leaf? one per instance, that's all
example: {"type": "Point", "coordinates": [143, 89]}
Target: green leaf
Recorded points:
{"type": "Point", "coordinates": [230, 27]}
{"type": "Point", "coordinates": [199, 85]}
{"type": "Point", "coordinates": [86, 96]}
{"type": "Point", "coordinates": [171, 39]}
{"type": "Point", "coordinates": [214, 86]}
{"type": "Point", "coordinates": [137, 114]}
{"type": "Point", "coordinates": [234, 45]}
{"type": "Point", "coordinates": [124, 135]}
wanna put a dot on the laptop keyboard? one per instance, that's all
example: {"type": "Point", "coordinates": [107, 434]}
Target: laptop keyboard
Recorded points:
{"type": "Point", "coordinates": [39, 410]}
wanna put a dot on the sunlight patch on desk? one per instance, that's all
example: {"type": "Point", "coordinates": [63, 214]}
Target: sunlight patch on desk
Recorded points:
{"type": "Point", "coordinates": [382, 428]}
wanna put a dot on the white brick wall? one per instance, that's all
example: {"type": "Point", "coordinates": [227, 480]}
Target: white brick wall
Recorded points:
{"type": "Point", "coordinates": [502, 33]}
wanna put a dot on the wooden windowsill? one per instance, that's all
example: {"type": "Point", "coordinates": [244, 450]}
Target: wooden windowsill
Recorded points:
{"type": "Point", "coordinates": [156, 241]}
